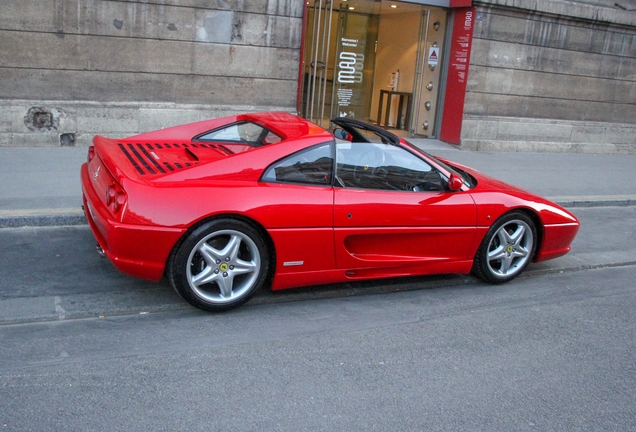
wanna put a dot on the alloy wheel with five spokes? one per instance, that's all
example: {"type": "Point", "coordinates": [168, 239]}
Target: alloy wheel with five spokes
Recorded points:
{"type": "Point", "coordinates": [220, 265]}
{"type": "Point", "coordinates": [507, 248]}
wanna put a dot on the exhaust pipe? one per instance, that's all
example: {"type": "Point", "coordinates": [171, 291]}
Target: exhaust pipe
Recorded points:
{"type": "Point", "coordinates": [100, 251]}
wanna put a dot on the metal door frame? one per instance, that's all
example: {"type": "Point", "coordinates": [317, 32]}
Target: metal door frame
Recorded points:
{"type": "Point", "coordinates": [319, 60]}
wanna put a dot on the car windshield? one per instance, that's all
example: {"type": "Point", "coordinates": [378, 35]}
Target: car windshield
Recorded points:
{"type": "Point", "coordinates": [468, 179]}
{"type": "Point", "coordinates": [359, 131]}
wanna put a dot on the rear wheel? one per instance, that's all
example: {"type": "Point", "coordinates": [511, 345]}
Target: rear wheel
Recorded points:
{"type": "Point", "coordinates": [507, 248]}
{"type": "Point", "coordinates": [220, 265]}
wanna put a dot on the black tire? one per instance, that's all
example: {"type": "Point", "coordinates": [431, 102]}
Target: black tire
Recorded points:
{"type": "Point", "coordinates": [507, 248]}
{"type": "Point", "coordinates": [220, 265]}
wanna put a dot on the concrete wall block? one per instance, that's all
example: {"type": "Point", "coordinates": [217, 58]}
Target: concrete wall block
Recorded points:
{"type": "Point", "coordinates": [151, 119]}
{"type": "Point", "coordinates": [68, 123]}
{"type": "Point", "coordinates": [557, 86]}
{"type": "Point", "coordinates": [172, 20]}
{"type": "Point", "coordinates": [625, 148]}
{"type": "Point", "coordinates": [469, 144]}
{"type": "Point", "coordinates": [82, 53]}
{"type": "Point", "coordinates": [531, 58]}
{"type": "Point", "coordinates": [31, 16]}
{"type": "Point", "coordinates": [224, 111]}
{"type": "Point", "coordinates": [31, 139]}
{"type": "Point", "coordinates": [129, 19]}
{"type": "Point", "coordinates": [479, 128]}
{"type": "Point", "coordinates": [106, 119]}
{"type": "Point", "coordinates": [593, 148]}
{"type": "Point", "coordinates": [271, 7]}
{"type": "Point", "coordinates": [85, 85]}
{"type": "Point", "coordinates": [488, 104]}
{"type": "Point", "coordinates": [292, 8]}
{"type": "Point", "coordinates": [601, 38]}
{"type": "Point", "coordinates": [532, 28]}
{"type": "Point", "coordinates": [214, 26]}
{"type": "Point", "coordinates": [539, 135]}
{"type": "Point", "coordinates": [491, 145]}
{"type": "Point", "coordinates": [604, 133]}
{"type": "Point", "coordinates": [246, 61]}
{"type": "Point", "coordinates": [545, 147]}
{"type": "Point", "coordinates": [99, 17]}
{"type": "Point", "coordinates": [7, 118]}
{"type": "Point", "coordinates": [469, 128]}
{"type": "Point", "coordinates": [246, 29]}
{"type": "Point", "coordinates": [142, 87]}
{"type": "Point", "coordinates": [85, 140]}
{"type": "Point", "coordinates": [231, 110]}
{"type": "Point", "coordinates": [228, 91]}
{"type": "Point", "coordinates": [546, 131]}
{"type": "Point", "coordinates": [17, 117]}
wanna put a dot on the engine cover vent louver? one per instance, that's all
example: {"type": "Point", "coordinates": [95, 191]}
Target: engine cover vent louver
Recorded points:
{"type": "Point", "coordinates": [157, 158]}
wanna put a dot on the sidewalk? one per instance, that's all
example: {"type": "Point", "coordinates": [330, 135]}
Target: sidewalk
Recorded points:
{"type": "Point", "coordinates": [40, 186]}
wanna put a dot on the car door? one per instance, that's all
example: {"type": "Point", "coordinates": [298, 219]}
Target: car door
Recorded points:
{"type": "Point", "coordinates": [393, 213]}
{"type": "Point", "coordinates": [299, 218]}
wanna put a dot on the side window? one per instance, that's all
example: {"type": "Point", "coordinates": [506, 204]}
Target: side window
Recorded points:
{"type": "Point", "coordinates": [313, 166]}
{"type": "Point", "coordinates": [385, 167]}
{"type": "Point", "coordinates": [245, 132]}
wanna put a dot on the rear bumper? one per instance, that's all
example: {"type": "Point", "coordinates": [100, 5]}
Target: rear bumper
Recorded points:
{"type": "Point", "coordinates": [137, 250]}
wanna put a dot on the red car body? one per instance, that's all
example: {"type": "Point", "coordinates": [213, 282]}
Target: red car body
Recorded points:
{"type": "Point", "coordinates": [144, 194]}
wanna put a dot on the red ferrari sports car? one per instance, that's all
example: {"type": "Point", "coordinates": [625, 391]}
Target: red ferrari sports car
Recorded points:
{"type": "Point", "coordinates": [226, 206]}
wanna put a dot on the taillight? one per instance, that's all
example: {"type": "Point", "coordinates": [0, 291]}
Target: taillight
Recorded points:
{"type": "Point", "coordinates": [91, 153]}
{"type": "Point", "coordinates": [116, 197]}
{"type": "Point", "coordinates": [119, 202]}
{"type": "Point", "coordinates": [111, 193]}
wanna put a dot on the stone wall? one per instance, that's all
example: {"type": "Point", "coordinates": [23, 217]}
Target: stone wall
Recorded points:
{"type": "Point", "coordinates": [552, 76]}
{"type": "Point", "coordinates": [72, 68]}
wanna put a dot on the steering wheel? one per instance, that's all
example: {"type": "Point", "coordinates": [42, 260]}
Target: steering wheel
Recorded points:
{"type": "Point", "coordinates": [370, 164]}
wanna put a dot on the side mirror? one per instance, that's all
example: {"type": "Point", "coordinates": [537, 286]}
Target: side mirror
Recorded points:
{"type": "Point", "coordinates": [342, 134]}
{"type": "Point", "coordinates": [455, 182]}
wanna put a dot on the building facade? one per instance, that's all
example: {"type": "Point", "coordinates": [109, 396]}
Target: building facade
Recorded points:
{"type": "Point", "coordinates": [517, 75]}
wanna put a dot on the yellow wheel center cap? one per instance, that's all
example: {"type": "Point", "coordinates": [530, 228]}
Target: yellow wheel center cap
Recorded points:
{"type": "Point", "coordinates": [223, 267]}
{"type": "Point", "coordinates": [510, 249]}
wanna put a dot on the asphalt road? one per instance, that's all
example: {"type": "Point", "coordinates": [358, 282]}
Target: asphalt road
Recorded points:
{"type": "Point", "coordinates": [85, 348]}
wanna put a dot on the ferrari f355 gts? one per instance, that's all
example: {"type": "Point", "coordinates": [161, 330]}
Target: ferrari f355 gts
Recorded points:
{"type": "Point", "coordinates": [225, 207]}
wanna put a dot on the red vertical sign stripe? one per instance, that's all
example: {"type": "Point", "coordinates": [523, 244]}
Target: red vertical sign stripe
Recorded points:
{"type": "Point", "coordinates": [460, 3]}
{"type": "Point", "coordinates": [461, 44]}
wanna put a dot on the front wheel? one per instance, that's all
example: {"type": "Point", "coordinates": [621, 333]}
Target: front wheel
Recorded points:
{"type": "Point", "coordinates": [220, 265]}
{"type": "Point", "coordinates": [507, 248]}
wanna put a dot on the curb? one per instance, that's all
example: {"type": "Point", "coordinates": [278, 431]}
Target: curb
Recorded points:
{"type": "Point", "coordinates": [598, 203]}
{"type": "Point", "coordinates": [42, 219]}
{"type": "Point", "coordinates": [595, 201]}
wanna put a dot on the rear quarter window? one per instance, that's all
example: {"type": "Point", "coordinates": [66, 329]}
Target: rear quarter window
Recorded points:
{"type": "Point", "coordinates": [243, 132]}
{"type": "Point", "coordinates": [313, 166]}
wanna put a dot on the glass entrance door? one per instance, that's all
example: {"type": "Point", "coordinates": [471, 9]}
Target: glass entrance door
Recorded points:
{"type": "Point", "coordinates": [339, 59]}
{"type": "Point", "coordinates": [377, 61]}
